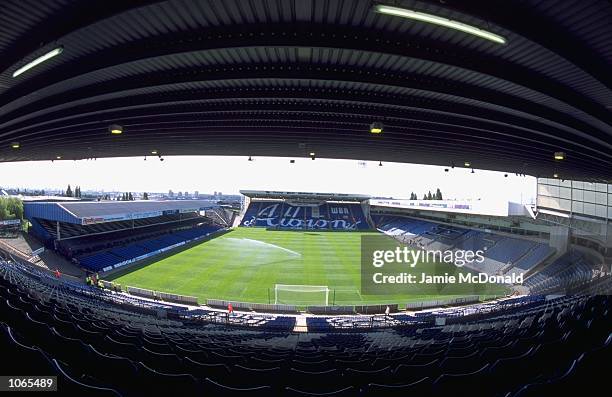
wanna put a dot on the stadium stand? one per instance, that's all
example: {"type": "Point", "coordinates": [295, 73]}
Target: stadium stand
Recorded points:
{"type": "Point", "coordinates": [502, 254]}
{"type": "Point", "coordinates": [280, 214]}
{"type": "Point", "coordinates": [71, 230]}
{"type": "Point", "coordinates": [101, 236]}
{"type": "Point", "coordinates": [116, 256]}
{"type": "Point", "coordinates": [57, 221]}
{"type": "Point", "coordinates": [524, 346]}
{"type": "Point", "coordinates": [530, 260]}
{"type": "Point", "coordinates": [519, 87]}
{"type": "Point", "coordinates": [566, 272]}
{"type": "Point", "coordinates": [90, 243]}
{"type": "Point", "coordinates": [99, 261]}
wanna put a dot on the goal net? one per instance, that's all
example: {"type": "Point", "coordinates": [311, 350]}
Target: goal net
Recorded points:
{"type": "Point", "coordinates": [305, 295]}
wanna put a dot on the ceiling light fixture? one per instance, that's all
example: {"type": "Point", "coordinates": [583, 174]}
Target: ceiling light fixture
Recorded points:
{"type": "Point", "coordinates": [467, 164]}
{"type": "Point", "coordinates": [559, 156]}
{"type": "Point", "coordinates": [376, 127]}
{"type": "Point", "coordinates": [38, 61]}
{"type": "Point", "coordinates": [15, 145]}
{"type": "Point", "coordinates": [115, 129]}
{"type": "Point", "coordinates": [153, 151]}
{"type": "Point", "coordinates": [436, 20]}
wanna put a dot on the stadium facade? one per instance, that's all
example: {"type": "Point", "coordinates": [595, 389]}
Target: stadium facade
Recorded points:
{"type": "Point", "coordinates": [446, 339]}
{"type": "Point", "coordinates": [516, 240]}
{"type": "Point", "coordinates": [301, 210]}
{"type": "Point", "coordinates": [107, 235]}
{"type": "Point", "coordinates": [519, 87]}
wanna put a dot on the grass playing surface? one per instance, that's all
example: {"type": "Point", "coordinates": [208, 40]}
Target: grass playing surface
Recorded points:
{"type": "Point", "coordinates": [244, 264]}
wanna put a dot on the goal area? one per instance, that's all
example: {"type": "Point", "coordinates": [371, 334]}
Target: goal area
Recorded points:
{"type": "Point", "coordinates": [292, 294]}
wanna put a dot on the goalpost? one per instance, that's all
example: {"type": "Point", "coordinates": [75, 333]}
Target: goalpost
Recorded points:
{"type": "Point", "coordinates": [300, 294]}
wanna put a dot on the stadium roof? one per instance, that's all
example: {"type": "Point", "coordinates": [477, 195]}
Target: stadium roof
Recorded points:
{"type": "Point", "coordinates": [87, 212]}
{"type": "Point", "coordinates": [469, 207]}
{"type": "Point", "coordinates": [100, 208]}
{"type": "Point", "coordinates": [291, 77]}
{"type": "Point", "coordinates": [267, 194]}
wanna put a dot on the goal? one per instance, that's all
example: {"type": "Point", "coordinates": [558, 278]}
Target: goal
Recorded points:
{"type": "Point", "coordinates": [291, 294]}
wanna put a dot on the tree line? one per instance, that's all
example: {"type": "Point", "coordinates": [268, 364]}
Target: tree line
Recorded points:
{"type": "Point", "coordinates": [70, 193]}
{"type": "Point", "coordinates": [428, 196]}
{"type": "Point", "coordinates": [10, 208]}
{"type": "Point", "coordinates": [127, 196]}
{"type": "Point", "coordinates": [27, 192]}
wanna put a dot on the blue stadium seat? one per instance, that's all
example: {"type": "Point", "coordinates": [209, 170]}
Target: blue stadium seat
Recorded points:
{"type": "Point", "coordinates": [218, 389]}
{"type": "Point", "coordinates": [547, 345]}
{"type": "Point", "coordinates": [101, 260]}
{"type": "Point", "coordinates": [333, 216]}
{"type": "Point", "coordinates": [152, 382]}
{"type": "Point", "coordinates": [512, 255]}
{"type": "Point", "coordinates": [420, 387]}
{"type": "Point", "coordinates": [72, 385]}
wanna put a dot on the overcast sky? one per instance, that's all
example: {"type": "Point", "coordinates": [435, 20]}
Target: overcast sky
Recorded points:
{"type": "Point", "coordinates": [230, 174]}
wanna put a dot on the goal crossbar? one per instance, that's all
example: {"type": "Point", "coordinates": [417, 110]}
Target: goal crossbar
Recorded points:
{"type": "Point", "coordinates": [301, 288]}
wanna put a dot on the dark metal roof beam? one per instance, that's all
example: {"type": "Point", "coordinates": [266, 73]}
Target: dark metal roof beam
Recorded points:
{"type": "Point", "coordinates": [284, 71]}
{"type": "Point", "coordinates": [312, 35]}
{"type": "Point", "coordinates": [529, 127]}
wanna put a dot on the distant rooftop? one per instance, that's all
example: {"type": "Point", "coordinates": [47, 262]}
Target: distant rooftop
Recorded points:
{"type": "Point", "coordinates": [87, 212]}
{"type": "Point", "coordinates": [269, 194]}
{"type": "Point", "coordinates": [84, 209]}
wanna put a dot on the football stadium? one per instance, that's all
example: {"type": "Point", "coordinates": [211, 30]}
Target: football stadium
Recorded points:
{"type": "Point", "coordinates": [310, 278]}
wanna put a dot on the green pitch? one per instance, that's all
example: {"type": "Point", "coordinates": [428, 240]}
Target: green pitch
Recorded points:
{"type": "Point", "coordinates": [246, 263]}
